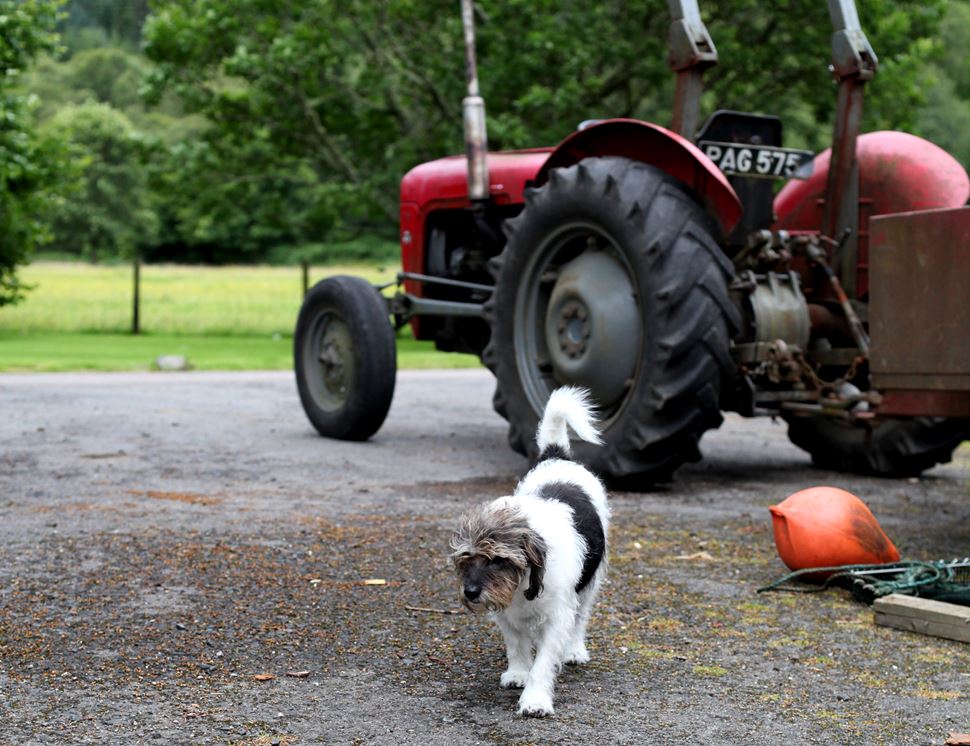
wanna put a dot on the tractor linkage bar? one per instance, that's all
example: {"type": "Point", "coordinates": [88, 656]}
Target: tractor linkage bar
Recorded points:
{"type": "Point", "coordinates": [405, 305]}
{"type": "Point", "coordinates": [432, 280]}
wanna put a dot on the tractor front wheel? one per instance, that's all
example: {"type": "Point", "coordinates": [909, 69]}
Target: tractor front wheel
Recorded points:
{"type": "Point", "coordinates": [345, 358]}
{"type": "Point", "coordinates": [612, 280]}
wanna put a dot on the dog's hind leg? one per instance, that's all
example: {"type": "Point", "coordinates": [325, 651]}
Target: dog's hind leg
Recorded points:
{"type": "Point", "coordinates": [576, 646]}
{"type": "Point", "coordinates": [518, 648]}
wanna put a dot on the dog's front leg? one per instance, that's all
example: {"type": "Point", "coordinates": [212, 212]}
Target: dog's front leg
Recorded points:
{"type": "Point", "coordinates": [536, 699]}
{"type": "Point", "coordinates": [519, 652]}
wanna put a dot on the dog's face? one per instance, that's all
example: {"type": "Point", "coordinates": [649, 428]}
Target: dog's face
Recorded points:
{"type": "Point", "coordinates": [494, 550]}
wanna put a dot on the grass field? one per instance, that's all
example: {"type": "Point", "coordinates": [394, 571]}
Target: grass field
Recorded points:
{"type": "Point", "coordinates": [78, 317]}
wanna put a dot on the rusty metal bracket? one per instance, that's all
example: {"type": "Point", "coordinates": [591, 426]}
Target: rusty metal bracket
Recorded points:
{"type": "Point", "coordinates": [852, 54]}
{"type": "Point", "coordinates": [818, 255]}
{"type": "Point", "coordinates": [691, 51]}
{"type": "Point", "coordinates": [853, 63]}
{"type": "Point", "coordinates": [811, 246]}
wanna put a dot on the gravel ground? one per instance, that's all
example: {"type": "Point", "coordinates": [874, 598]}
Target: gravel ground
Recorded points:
{"type": "Point", "coordinates": [165, 539]}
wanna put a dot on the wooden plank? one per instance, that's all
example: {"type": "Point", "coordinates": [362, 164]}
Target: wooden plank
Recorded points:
{"type": "Point", "coordinates": [923, 627]}
{"type": "Point", "coordinates": [923, 608]}
{"type": "Point", "coordinates": [924, 616]}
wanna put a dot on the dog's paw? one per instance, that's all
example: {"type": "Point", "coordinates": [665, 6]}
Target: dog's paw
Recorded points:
{"type": "Point", "coordinates": [535, 704]}
{"type": "Point", "coordinates": [575, 655]}
{"type": "Point", "coordinates": [514, 679]}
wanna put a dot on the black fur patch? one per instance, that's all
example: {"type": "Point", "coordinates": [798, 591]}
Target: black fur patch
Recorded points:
{"type": "Point", "coordinates": [553, 451]}
{"type": "Point", "coordinates": [586, 522]}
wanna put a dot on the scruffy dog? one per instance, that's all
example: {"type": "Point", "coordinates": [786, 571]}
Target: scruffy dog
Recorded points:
{"type": "Point", "coordinates": [536, 559]}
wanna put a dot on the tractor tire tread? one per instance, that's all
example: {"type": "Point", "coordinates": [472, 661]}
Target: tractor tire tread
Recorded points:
{"type": "Point", "coordinates": [683, 279]}
{"type": "Point", "coordinates": [362, 309]}
{"type": "Point", "coordinates": [890, 448]}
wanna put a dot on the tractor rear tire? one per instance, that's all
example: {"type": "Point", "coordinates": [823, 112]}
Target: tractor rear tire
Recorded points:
{"type": "Point", "coordinates": [345, 358]}
{"type": "Point", "coordinates": [890, 448]}
{"type": "Point", "coordinates": [612, 279]}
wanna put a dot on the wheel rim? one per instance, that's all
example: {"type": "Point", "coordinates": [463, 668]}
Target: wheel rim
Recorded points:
{"type": "Point", "coordinates": [329, 361]}
{"type": "Point", "coordinates": [577, 319]}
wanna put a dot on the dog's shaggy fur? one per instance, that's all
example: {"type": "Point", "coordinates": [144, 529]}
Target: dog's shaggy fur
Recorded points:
{"type": "Point", "coordinates": [535, 560]}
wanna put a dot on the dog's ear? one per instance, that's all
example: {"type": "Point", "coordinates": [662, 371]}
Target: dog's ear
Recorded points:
{"type": "Point", "coordinates": [535, 553]}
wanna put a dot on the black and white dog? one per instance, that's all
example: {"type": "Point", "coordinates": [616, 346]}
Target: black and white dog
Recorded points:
{"type": "Point", "coordinates": [536, 559]}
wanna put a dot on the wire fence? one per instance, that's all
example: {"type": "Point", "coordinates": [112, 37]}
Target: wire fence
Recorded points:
{"type": "Point", "coordinates": [171, 299]}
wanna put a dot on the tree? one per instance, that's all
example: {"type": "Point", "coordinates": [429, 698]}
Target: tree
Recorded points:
{"type": "Point", "coordinates": [92, 23]}
{"type": "Point", "coordinates": [215, 208]}
{"type": "Point", "coordinates": [775, 57]}
{"type": "Point", "coordinates": [29, 165]}
{"type": "Point", "coordinates": [945, 119]}
{"type": "Point", "coordinates": [110, 213]}
{"type": "Point", "coordinates": [318, 84]}
{"type": "Point", "coordinates": [349, 95]}
{"type": "Point", "coordinates": [107, 75]}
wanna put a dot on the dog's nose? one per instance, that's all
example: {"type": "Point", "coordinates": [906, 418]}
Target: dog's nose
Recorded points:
{"type": "Point", "coordinates": [472, 591]}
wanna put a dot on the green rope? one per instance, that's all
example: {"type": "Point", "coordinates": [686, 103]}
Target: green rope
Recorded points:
{"type": "Point", "coordinates": [910, 577]}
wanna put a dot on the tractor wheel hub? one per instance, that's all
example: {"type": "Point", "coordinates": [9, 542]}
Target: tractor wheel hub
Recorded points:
{"type": "Point", "coordinates": [334, 356]}
{"type": "Point", "coordinates": [593, 327]}
{"type": "Point", "coordinates": [574, 328]}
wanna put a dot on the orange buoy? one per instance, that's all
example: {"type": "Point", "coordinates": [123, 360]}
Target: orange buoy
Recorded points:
{"type": "Point", "coordinates": [826, 527]}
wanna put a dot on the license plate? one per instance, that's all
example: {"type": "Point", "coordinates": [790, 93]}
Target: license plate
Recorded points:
{"type": "Point", "coordinates": [759, 161]}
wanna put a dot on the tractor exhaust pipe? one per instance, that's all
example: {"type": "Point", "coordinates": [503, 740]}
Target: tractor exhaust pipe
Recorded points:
{"type": "Point", "coordinates": [473, 113]}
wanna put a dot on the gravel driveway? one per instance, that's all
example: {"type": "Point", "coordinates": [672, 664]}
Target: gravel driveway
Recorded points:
{"type": "Point", "coordinates": [168, 540]}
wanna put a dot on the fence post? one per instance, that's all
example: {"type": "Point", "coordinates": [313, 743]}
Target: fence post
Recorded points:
{"type": "Point", "coordinates": [136, 297]}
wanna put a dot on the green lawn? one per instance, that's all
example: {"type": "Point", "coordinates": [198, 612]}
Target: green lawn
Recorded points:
{"type": "Point", "coordinates": [227, 318]}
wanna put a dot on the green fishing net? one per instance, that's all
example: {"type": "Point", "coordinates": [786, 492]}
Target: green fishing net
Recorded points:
{"type": "Point", "coordinates": [942, 580]}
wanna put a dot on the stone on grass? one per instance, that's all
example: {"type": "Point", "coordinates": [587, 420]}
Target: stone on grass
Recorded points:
{"type": "Point", "coordinates": [172, 362]}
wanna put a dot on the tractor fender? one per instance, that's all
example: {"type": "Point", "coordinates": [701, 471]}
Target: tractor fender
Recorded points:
{"type": "Point", "coordinates": [655, 146]}
{"type": "Point", "coordinates": [898, 172]}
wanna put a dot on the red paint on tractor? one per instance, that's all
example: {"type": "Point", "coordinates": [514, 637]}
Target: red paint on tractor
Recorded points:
{"type": "Point", "coordinates": [898, 172]}
{"type": "Point", "coordinates": [656, 146]}
{"type": "Point", "coordinates": [925, 403]}
{"type": "Point", "coordinates": [443, 184]}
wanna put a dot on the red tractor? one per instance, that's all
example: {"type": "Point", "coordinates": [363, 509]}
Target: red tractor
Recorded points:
{"type": "Point", "coordinates": [657, 268]}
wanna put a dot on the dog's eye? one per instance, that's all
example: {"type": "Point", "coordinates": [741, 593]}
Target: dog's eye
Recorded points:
{"type": "Point", "coordinates": [500, 561]}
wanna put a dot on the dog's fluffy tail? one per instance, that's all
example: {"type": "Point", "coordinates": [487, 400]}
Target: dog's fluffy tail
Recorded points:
{"type": "Point", "coordinates": [568, 407]}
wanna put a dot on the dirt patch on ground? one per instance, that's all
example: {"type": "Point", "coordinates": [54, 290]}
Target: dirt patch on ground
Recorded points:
{"type": "Point", "coordinates": [189, 498]}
